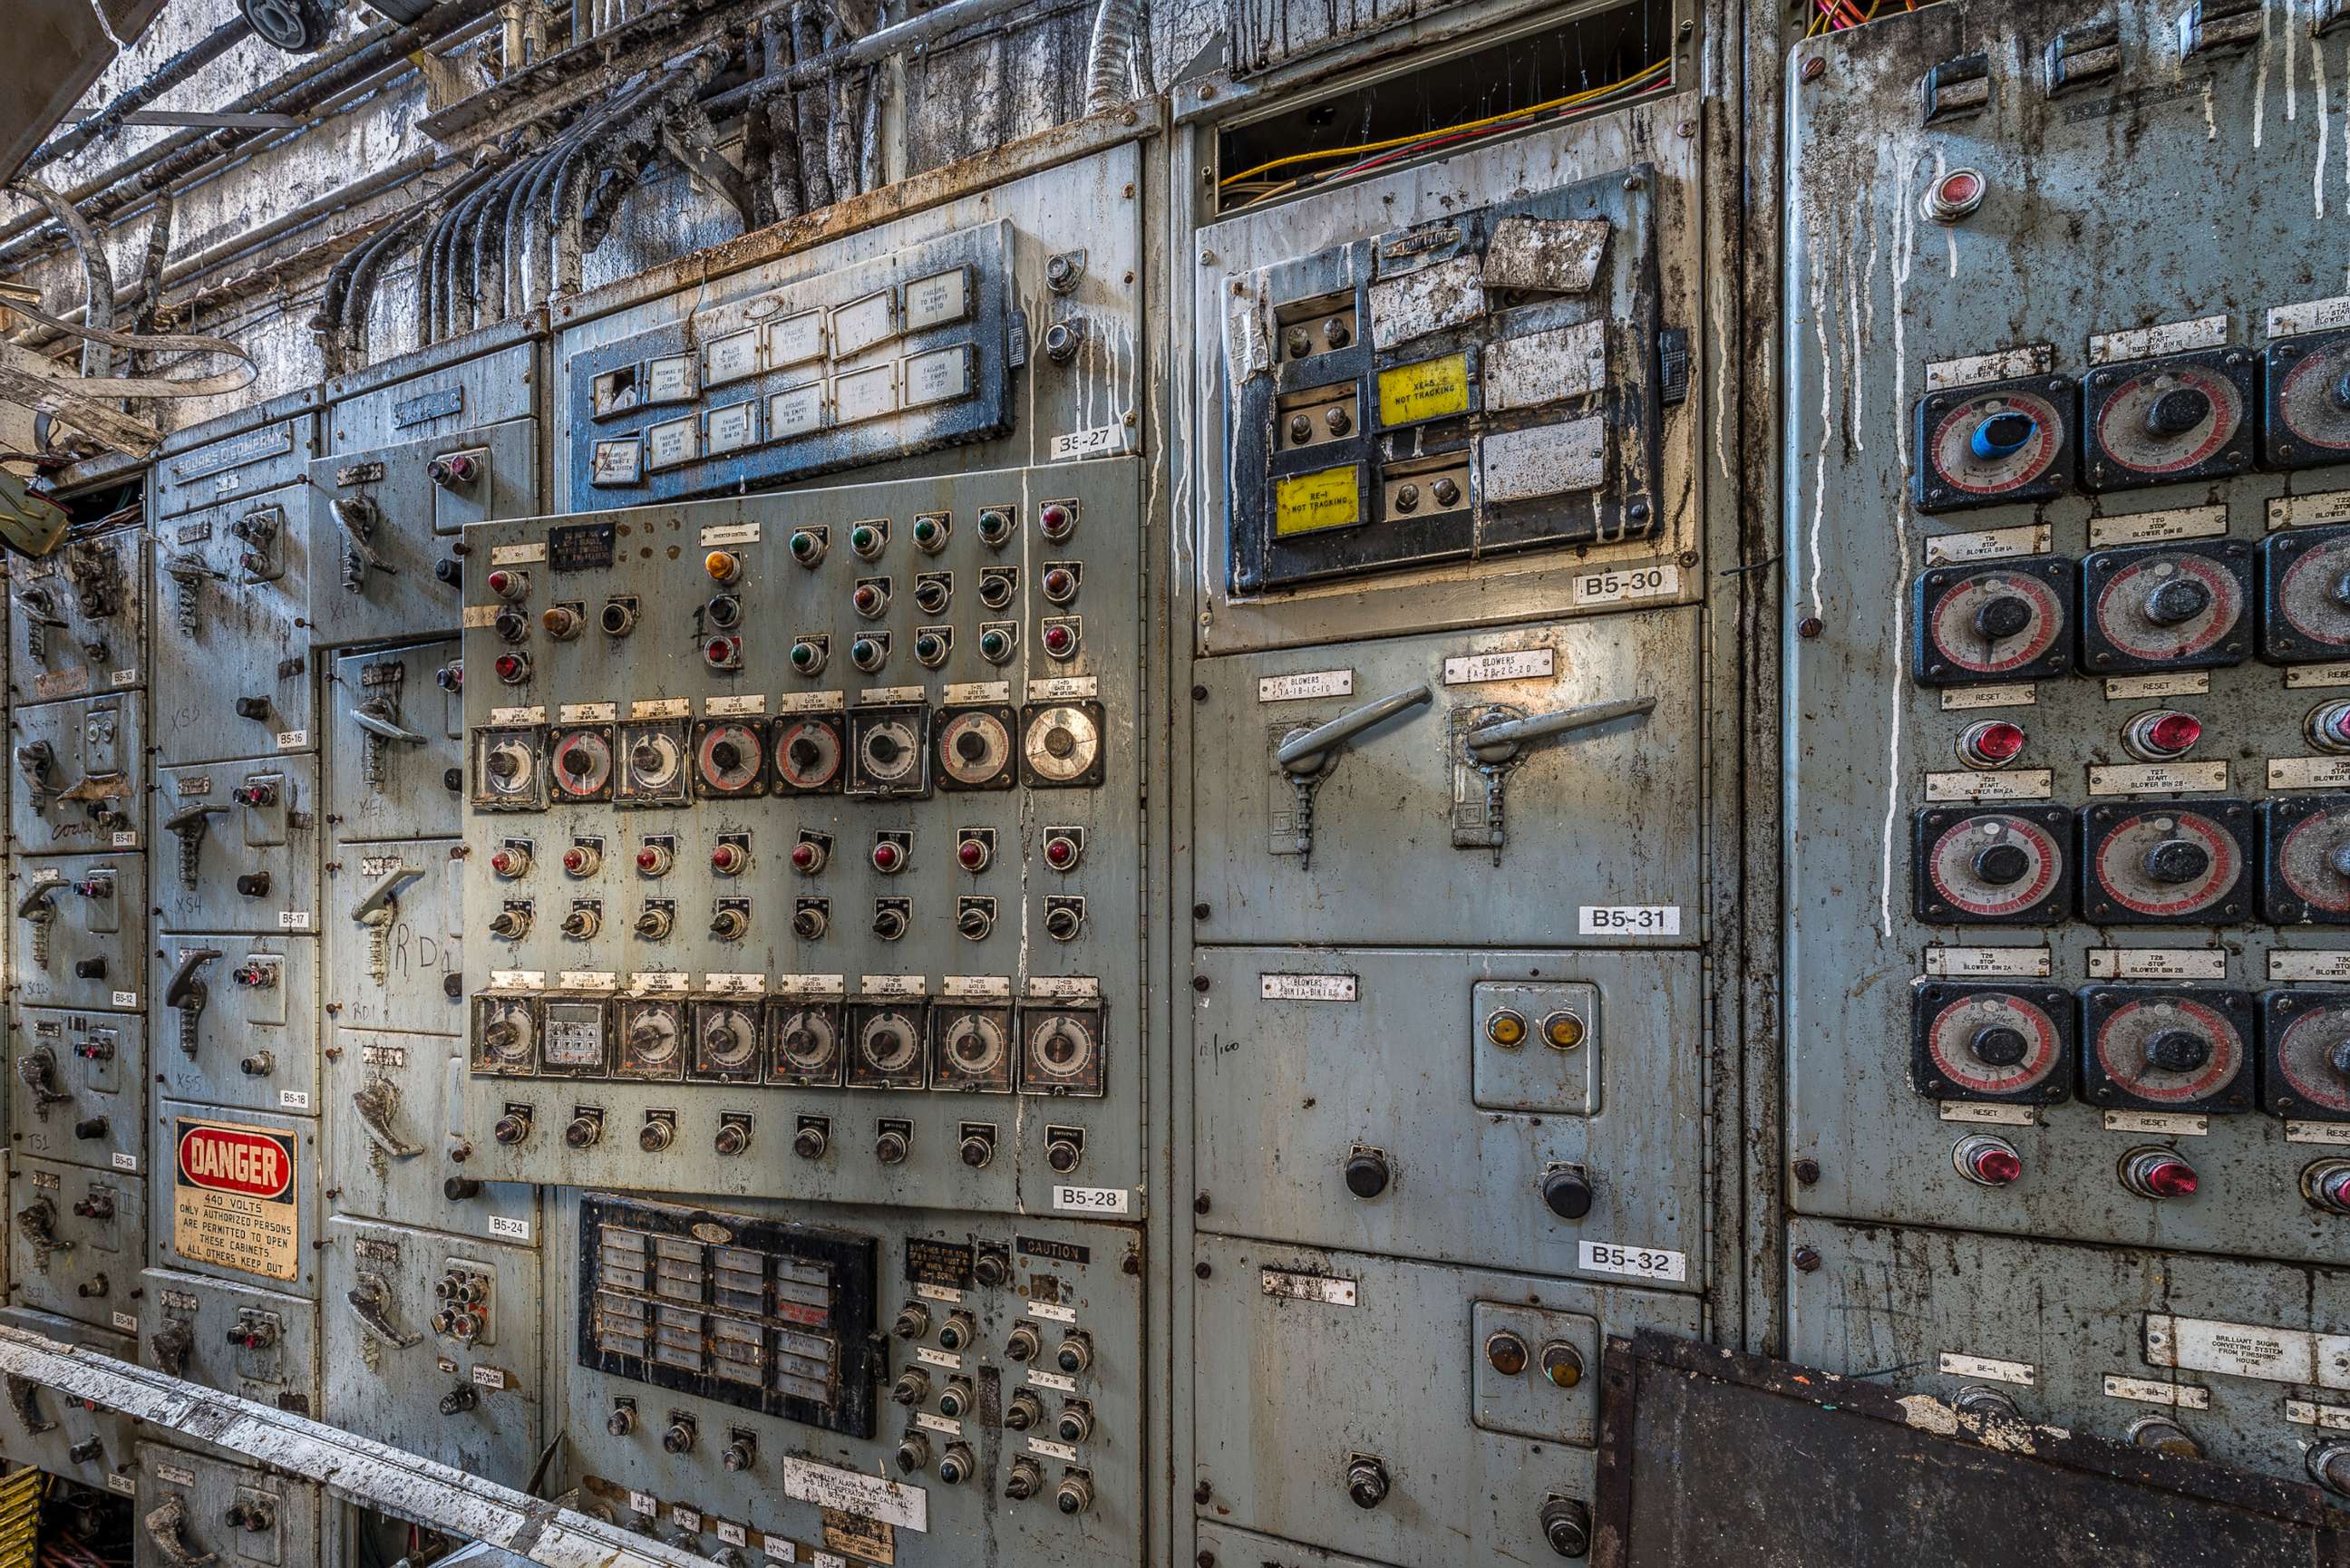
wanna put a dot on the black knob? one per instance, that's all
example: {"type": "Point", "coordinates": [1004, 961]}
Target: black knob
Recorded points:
{"type": "Point", "coordinates": [727, 755]}
{"type": "Point", "coordinates": [2176, 860]}
{"type": "Point", "coordinates": [977, 1151]}
{"type": "Point", "coordinates": [1367, 1173]}
{"type": "Point", "coordinates": [1568, 1193]}
{"type": "Point", "coordinates": [732, 1138]}
{"type": "Point", "coordinates": [89, 968]}
{"type": "Point", "coordinates": [460, 1398]}
{"type": "Point", "coordinates": [2339, 1057]}
{"type": "Point", "coordinates": [252, 707]}
{"type": "Point", "coordinates": [582, 1132]}
{"type": "Point", "coordinates": [254, 884]}
{"type": "Point", "coordinates": [450, 570]}
{"type": "Point", "coordinates": [511, 1130]}
{"type": "Point", "coordinates": [2176, 601]}
{"type": "Point", "coordinates": [809, 1142]}
{"type": "Point", "coordinates": [1998, 1045]}
{"type": "Point", "coordinates": [991, 1270]}
{"type": "Point", "coordinates": [1567, 1525]}
{"type": "Point", "coordinates": [1367, 1483]}
{"type": "Point", "coordinates": [971, 746]}
{"type": "Point", "coordinates": [1999, 865]}
{"type": "Point", "coordinates": [2177, 412]}
{"type": "Point", "coordinates": [739, 1455]}
{"type": "Point", "coordinates": [678, 1439]}
{"type": "Point", "coordinates": [452, 779]}
{"type": "Point", "coordinates": [621, 1421]}
{"type": "Point", "coordinates": [460, 1188]}
{"type": "Point", "coordinates": [1063, 1154]}
{"type": "Point", "coordinates": [890, 1148]}
{"type": "Point", "coordinates": [89, 1448]}
{"type": "Point", "coordinates": [91, 1128]}
{"type": "Point", "coordinates": [2337, 859]}
{"type": "Point", "coordinates": [2177, 1050]}
{"type": "Point", "coordinates": [2002, 616]}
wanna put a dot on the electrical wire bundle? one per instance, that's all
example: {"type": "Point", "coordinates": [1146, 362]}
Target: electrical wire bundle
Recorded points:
{"type": "Point", "coordinates": [1373, 155]}
{"type": "Point", "coordinates": [1838, 16]}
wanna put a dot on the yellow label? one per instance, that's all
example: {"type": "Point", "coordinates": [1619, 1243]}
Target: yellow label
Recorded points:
{"type": "Point", "coordinates": [1429, 390]}
{"type": "Point", "coordinates": [1330, 498]}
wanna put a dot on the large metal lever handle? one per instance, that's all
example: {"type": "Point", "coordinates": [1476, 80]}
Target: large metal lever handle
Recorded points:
{"type": "Point", "coordinates": [382, 725]}
{"type": "Point", "coordinates": [1498, 739]}
{"type": "Point", "coordinates": [183, 985]}
{"type": "Point", "coordinates": [1307, 753]}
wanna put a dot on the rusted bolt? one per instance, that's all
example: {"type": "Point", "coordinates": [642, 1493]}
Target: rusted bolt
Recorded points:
{"type": "Point", "coordinates": [1205, 1559]}
{"type": "Point", "coordinates": [1199, 982]}
{"type": "Point", "coordinates": [1199, 912]}
{"type": "Point", "coordinates": [1807, 1260]}
{"type": "Point", "coordinates": [1200, 1203]}
{"type": "Point", "coordinates": [1199, 694]}
{"type": "Point", "coordinates": [1202, 1494]}
{"type": "Point", "coordinates": [1207, 90]}
{"type": "Point", "coordinates": [1815, 68]}
{"type": "Point", "coordinates": [1203, 1269]}
{"type": "Point", "coordinates": [1129, 1264]}
{"type": "Point", "coordinates": [1689, 557]}
{"type": "Point", "coordinates": [1207, 258]}
{"type": "Point", "coordinates": [1685, 130]}
{"type": "Point", "coordinates": [1811, 626]}
{"type": "Point", "coordinates": [1807, 1170]}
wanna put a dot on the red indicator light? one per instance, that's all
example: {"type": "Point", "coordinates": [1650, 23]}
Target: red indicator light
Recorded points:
{"type": "Point", "coordinates": [1992, 743]}
{"type": "Point", "coordinates": [972, 853]}
{"type": "Point", "coordinates": [2175, 731]}
{"type": "Point", "coordinates": [887, 857]}
{"type": "Point", "coordinates": [806, 857]}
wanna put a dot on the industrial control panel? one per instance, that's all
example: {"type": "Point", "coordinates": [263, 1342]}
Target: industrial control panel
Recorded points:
{"type": "Point", "coordinates": [1439, 1086]}
{"type": "Point", "coordinates": [804, 844]}
{"type": "Point", "coordinates": [2064, 644]}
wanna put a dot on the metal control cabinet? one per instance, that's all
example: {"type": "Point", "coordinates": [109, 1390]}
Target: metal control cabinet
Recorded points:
{"type": "Point", "coordinates": [819, 876]}
{"type": "Point", "coordinates": [2062, 677]}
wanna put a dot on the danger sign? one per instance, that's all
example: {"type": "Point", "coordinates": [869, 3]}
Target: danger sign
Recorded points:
{"type": "Point", "coordinates": [233, 1200]}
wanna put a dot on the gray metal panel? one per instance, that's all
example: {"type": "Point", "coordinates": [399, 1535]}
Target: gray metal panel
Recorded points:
{"type": "Point", "coordinates": [1230, 1545]}
{"type": "Point", "coordinates": [186, 1321]}
{"type": "Point", "coordinates": [1077, 1269]}
{"type": "Point", "coordinates": [659, 560]}
{"type": "Point", "coordinates": [1385, 1372]}
{"type": "Point", "coordinates": [73, 1239]}
{"type": "Point", "coordinates": [1601, 817]}
{"type": "Point", "coordinates": [96, 1061]}
{"type": "Point", "coordinates": [393, 956]}
{"type": "Point", "coordinates": [234, 1515]}
{"type": "Point", "coordinates": [48, 1431]}
{"type": "Point", "coordinates": [77, 943]}
{"type": "Point", "coordinates": [254, 1038]}
{"type": "Point", "coordinates": [61, 647]}
{"type": "Point", "coordinates": [230, 1241]}
{"type": "Point", "coordinates": [2074, 236]}
{"type": "Point", "coordinates": [485, 388]}
{"type": "Point", "coordinates": [1094, 205]}
{"type": "Point", "coordinates": [1452, 594]}
{"type": "Point", "coordinates": [246, 858]}
{"type": "Point", "coordinates": [90, 792]}
{"type": "Point", "coordinates": [1910, 1308]}
{"type": "Point", "coordinates": [1287, 1092]}
{"type": "Point", "coordinates": [233, 676]}
{"type": "Point", "coordinates": [396, 1374]}
{"type": "Point", "coordinates": [383, 786]}
{"type": "Point", "coordinates": [400, 1174]}
{"type": "Point", "coordinates": [412, 532]}
{"type": "Point", "coordinates": [254, 450]}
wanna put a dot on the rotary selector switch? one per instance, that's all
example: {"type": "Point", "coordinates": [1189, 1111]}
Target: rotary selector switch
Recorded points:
{"type": "Point", "coordinates": [975, 1050]}
{"type": "Point", "coordinates": [726, 1042]}
{"type": "Point", "coordinates": [974, 748]}
{"type": "Point", "coordinates": [726, 759]}
{"type": "Point", "coordinates": [2308, 390]}
{"type": "Point", "coordinates": [654, 765]}
{"type": "Point", "coordinates": [1990, 1043]}
{"type": "Point", "coordinates": [1060, 745]}
{"type": "Point", "coordinates": [505, 1034]}
{"type": "Point", "coordinates": [1061, 1052]}
{"type": "Point", "coordinates": [2001, 442]}
{"type": "Point", "coordinates": [506, 770]}
{"type": "Point", "coordinates": [808, 756]}
{"type": "Point", "coordinates": [2005, 621]}
{"type": "Point", "coordinates": [2307, 877]}
{"type": "Point", "coordinates": [2166, 606]}
{"type": "Point", "coordinates": [2154, 1048]}
{"type": "Point", "coordinates": [581, 763]}
{"type": "Point", "coordinates": [2159, 421]}
{"type": "Point", "coordinates": [653, 1040]}
{"type": "Point", "coordinates": [2305, 595]}
{"type": "Point", "coordinates": [2166, 865]}
{"type": "Point", "coordinates": [806, 1046]}
{"type": "Point", "coordinates": [888, 1050]}
{"type": "Point", "coordinates": [2305, 1054]}
{"type": "Point", "coordinates": [2007, 866]}
{"type": "Point", "coordinates": [888, 753]}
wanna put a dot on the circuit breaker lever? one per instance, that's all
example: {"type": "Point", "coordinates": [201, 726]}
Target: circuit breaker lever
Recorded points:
{"type": "Point", "coordinates": [370, 1303]}
{"type": "Point", "coordinates": [375, 717]}
{"type": "Point", "coordinates": [164, 1524]}
{"type": "Point", "coordinates": [1499, 739]}
{"type": "Point", "coordinates": [376, 1102]}
{"type": "Point", "coordinates": [184, 988]}
{"type": "Point", "coordinates": [1304, 758]}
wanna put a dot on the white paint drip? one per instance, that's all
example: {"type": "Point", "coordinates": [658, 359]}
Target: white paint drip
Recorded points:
{"type": "Point", "coordinates": [1897, 272]}
{"type": "Point", "coordinates": [2292, 61]}
{"type": "Point", "coordinates": [1949, 230]}
{"type": "Point", "coordinates": [2313, 47]}
{"type": "Point", "coordinates": [1721, 379]}
{"type": "Point", "coordinates": [2210, 119]}
{"type": "Point", "coordinates": [2317, 178]}
{"type": "Point", "coordinates": [2261, 80]}
{"type": "Point", "coordinates": [1827, 416]}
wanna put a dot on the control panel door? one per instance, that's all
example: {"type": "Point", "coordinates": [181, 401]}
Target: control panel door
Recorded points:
{"type": "Point", "coordinates": [243, 1339]}
{"type": "Point", "coordinates": [233, 673]}
{"type": "Point", "coordinates": [47, 1431]}
{"type": "Point", "coordinates": [1310, 1427]}
{"type": "Point", "coordinates": [1534, 786]}
{"type": "Point", "coordinates": [77, 924]}
{"type": "Point", "coordinates": [74, 1240]}
{"type": "Point", "coordinates": [241, 1027]}
{"type": "Point", "coordinates": [79, 1092]}
{"type": "Point", "coordinates": [236, 847]}
{"type": "Point", "coordinates": [397, 1153]}
{"type": "Point", "coordinates": [433, 1345]}
{"type": "Point", "coordinates": [79, 618]}
{"type": "Point", "coordinates": [395, 766]}
{"type": "Point", "coordinates": [80, 782]}
{"type": "Point", "coordinates": [1531, 1109]}
{"type": "Point", "coordinates": [391, 914]}
{"type": "Point", "coordinates": [194, 1508]}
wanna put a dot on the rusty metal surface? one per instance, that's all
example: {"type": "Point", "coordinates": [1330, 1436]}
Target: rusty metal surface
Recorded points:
{"type": "Point", "coordinates": [1825, 1470]}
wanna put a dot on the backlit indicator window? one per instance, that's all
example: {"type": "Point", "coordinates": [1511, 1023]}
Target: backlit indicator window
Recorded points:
{"type": "Point", "coordinates": [666, 446]}
{"type": "Point", "coordinates": [865, 394]}
{"type": "Point", "coordinates": [670, 378]}
{"type": "Point", "coordinates": [733, 428]}
{"type": "Point", "coordinates": [939, 300]}
{"type": "Point", "coordinates": [616, 461]}
{"type": "Point", "coordinates": [796, 410]}
{"type": "Point", "coordinates": [1308, 502]}
{"type": "Point", "coordinates": [940, 376]}
{"type": "Point", "coordinates": [731, 357]}
{"type": "Point", "coordinates": [862, 323]}
{"type": "Point", "coordinates": [796, 339]}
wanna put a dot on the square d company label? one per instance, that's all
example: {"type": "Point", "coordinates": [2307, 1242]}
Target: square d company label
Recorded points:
{"type": "Point", "coordinates": [233, 1201]}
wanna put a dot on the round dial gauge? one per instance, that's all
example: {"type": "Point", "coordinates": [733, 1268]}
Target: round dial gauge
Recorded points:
{"type": "Point", "coordinates": [2312, 403]}
{"type": "Point", "coordinates": [889, 1043]}
{"type": "Point", "coordinates": [1061, 743]}
{"type": "Point", "coordinates": [975, 1044]}
{"type": "Point", "coordinates": [1995, 623]}
{"type": "Point", "coordinates": [728, 1038]}
{"type": "Point", "coordinates": [727, 756]}
{"type": "Point", "coordinates": [2313, 1059]}
{"type": "Point", "coordinates": [974, 747]}
{"type": "Point", "coordinates": [507, 1037]}
{"type": "Point", "coordinates": [655, 761]}
{"type": "Point", "coordinates": [808, 1044]}
{"type": "Point", "coordinates": [2169, 417]}
{"type": "Point", "coordinates": [1992, 444]}
{"type": "Point", "coordinates": [651, 1038]}
{"type": "Point", "coordinates": [2312, 596]}
{"type": "Point", "coordinates": [583, 764]}
{"type": "Point", "coordinates": [2312, 861]}
{"type": "Point", "coordinates": [1992, 865]}
{"type": "Point", "coordinates": [2171, 1050]}
{"type": "Point", "coordinates": [807, 754]}
{"type": "Point", "coordinates": [1992, 1043]}
{"type": "Point", "coordinates": [889, 750]}
{"type": "Point", "coordinates": [507, 765]}
{"type": "Point", "coordinates": [2169, 607]}
{"type": "Point", "coordinates": [1061, 1050]}
{"type": "Point", "coordinates": [2166, 865]}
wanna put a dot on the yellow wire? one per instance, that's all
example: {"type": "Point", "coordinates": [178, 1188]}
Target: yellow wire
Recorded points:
{"type": "Point", "coordinates": [1569, 101]}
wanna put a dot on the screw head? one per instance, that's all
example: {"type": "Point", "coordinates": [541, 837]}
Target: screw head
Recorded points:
{"type": "Point", "coordinates": [1199, 982]}
{"type": "Point", "coordinates": [1200, 1203]}
{"type": "Point", "coordinates": [1815, 68]}
{"type": "Point", "coordinates": [1807, 1171]}
{"type": "Point", "coordinates": [1807, 1258]}
{"type": "Point", "coordinates": [1199, 912]}
{"type": "Point", "coordinates": [1203, 1269]}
